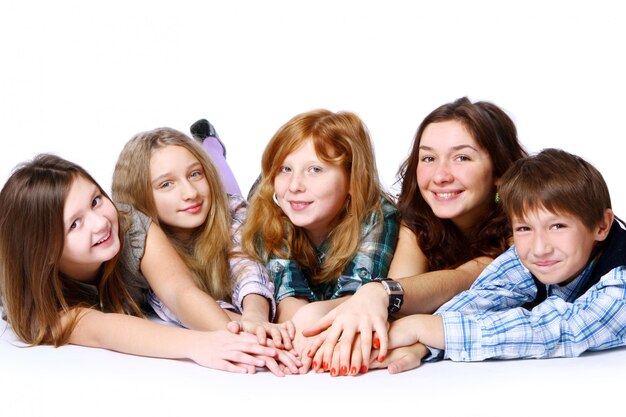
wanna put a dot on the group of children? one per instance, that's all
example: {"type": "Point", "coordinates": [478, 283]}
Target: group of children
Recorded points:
{"type": "Point", "coordinates": [486, 253]}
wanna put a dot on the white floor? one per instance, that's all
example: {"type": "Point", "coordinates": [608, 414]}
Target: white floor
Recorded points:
{"type": "Point", "coordinates": [74, 380]}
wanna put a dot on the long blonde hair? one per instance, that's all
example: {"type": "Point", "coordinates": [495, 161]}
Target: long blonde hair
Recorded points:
{"type": "Point", "coordinates": [32, 237]}
{"type": "Point", "coordinates": [206, 255]}
{"type": "Point", "coordinates": [340, 139]}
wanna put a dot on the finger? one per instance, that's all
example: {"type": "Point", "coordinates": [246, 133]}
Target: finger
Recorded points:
{"type": "Point", "coordinates": [276, 336]}
{"type": "Point", "coordinates": [356, 359]}
{"type": "Point", "coordinates": [380, 334]}
{"type": "Point", "coordinates": [289, 361]}
{"type": "Point", "coordinates": [365, 348]}
{"type": "Point", "coordinates": [261, 336]}
{"type": "Point", "coordinates": [291, 329]}
{"type": "Point", "coordinates": [231, 367]}
{"type": "Point", "coordinates": [334, 362]}
{"type": "Point", "coordinates": [318, 361]}
{"type": "Point", "coordinates": [248, 349]}
{"type": "Point", "coordinates": [307, 365]}
{"type": "Point", "coordinates": [271, 364]}
{"type": "Point", "coordinates": [320, 325]}
{"type": "Point", "coordinates": [315, 345]}
{"type": "Point", "coordinates": [345, 352]}
{"type": "Point", "coordinates": [404, 363]}
{"type": "Point", "coordinates": [250, 369]}
{"type": "Point", "coordinates": [233, 327]}
{"type": "Point", "coordinates": [332, 338]}
{"type": "Point", "coordinates": [286, 340]}
{"type": "Point", "coordinates": [373, 363]}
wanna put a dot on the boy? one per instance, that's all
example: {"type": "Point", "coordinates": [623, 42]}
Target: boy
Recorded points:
{"type": "Point", "coordinates": [559, 291]}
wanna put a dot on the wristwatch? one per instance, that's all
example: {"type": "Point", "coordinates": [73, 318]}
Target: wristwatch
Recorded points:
{"type": "Point", "coordinates": [395, 292]}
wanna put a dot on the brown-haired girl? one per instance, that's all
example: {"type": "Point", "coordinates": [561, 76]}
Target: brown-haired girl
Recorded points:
{"type": "Point", "coordinates": [452, 225]}
{"type": "Point", "coordinates": [66, 261]}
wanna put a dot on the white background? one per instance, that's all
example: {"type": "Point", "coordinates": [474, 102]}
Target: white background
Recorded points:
{"type": "Point", "coordinates": [79, 78]}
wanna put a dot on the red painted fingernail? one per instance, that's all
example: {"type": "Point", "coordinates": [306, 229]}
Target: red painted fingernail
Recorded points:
{"type": "Point", "coordinates": [333, 372]}
{"type": "Point", "coordinates": [376, 343]}
{"type": "Point", "coordinates": [325, 366]}
{"type": "Point", "coordinates": [381, 359]}
{"type": "Point", "coordinates": [314, 365]}
{"type": "Point", "coordinates": [353, 370]}
{"type": "Point", "coordinates": [363, 369]}
{"type": "Point", "coordinates": [344, 370]}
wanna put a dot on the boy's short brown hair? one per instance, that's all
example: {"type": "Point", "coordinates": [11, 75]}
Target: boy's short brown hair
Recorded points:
{"type": "Point", "coordinates": [557, 181]}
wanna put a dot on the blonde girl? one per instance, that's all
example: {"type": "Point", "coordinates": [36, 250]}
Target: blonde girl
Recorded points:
{"type": "Point", "coordinates": [167, 176]}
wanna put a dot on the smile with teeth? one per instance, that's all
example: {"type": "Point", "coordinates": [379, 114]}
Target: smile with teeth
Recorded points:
{"type": "Point", "coordinates": [104, 239]}
{"type": "Point", "coordinates": [447, 195]}
{"type": "Point", "coordinates": [299, 205]}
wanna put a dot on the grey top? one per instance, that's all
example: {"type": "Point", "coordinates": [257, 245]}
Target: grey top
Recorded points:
{"type": "Point", "coordinates": [132, 253]}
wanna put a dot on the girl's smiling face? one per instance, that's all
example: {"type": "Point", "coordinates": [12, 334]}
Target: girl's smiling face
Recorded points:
{"type": "Point", "coordinates": [180, 189]}
{"type": "Point", "coordinates": [312, 193]}
{"type": "Point", "coordinates": [454, 174]}
{"type": "Point", "coordinates": [91, 228]}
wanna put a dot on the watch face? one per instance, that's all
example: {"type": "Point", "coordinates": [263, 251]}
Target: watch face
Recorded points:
{"type": "Point", "coordinates": [395, 287]}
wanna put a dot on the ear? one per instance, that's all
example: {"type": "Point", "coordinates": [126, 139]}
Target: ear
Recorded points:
{"type": "Point", "coordinates": [604, 226]}
{"type": "Point", "coordinates": [497, 181]}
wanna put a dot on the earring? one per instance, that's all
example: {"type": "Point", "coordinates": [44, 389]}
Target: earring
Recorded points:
{"type": "Point", "coordinates": [275, 199]}
{"type": "Point", "coordinates": [497, 200]}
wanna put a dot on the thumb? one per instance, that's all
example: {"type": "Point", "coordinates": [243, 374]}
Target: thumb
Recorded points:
{"type": "Point", "coordinates": [234, 327]}
{"type": "Point", "coordinates": [319, 326]}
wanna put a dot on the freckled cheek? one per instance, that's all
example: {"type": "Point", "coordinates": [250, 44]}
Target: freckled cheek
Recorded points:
{"type": "Point", "coordinates": [423, 177]}
{"type": "Point", "coordinates": [279, 187]}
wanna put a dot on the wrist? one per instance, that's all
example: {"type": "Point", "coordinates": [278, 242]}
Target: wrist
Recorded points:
{"type": "Point", "coordinates": [395, 294]}
{"type": "Point", "coordinates": [375, 290]}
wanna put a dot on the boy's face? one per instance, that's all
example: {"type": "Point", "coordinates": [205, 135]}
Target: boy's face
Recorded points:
{"type": "Point", "coordinates": [555, 247]}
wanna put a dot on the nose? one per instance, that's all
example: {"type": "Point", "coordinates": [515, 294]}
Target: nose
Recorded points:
{"type": "Point", "coordinates": [99, 222]}
{"type": "Point", "coordinates": [188, 190]}
{"type": "Point", "coordinates": [442, 173]}
{"type": "Point", "coordinates": [296, 183]}
{"type": "Point", "coordinates": [541, 244]}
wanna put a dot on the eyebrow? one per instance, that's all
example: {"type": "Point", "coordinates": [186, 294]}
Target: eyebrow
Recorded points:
{"type": "Point", "coordinates": [169, 174]}
{"type": "Point", "coordinates": [454, 148]}
{"type": "Point", "coordinates": [69, 219]}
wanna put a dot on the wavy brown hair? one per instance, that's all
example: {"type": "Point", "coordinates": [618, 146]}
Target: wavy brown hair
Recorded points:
{"type": "Point", "coordinates": [340, 139]}
{"type": "Point", "coordinates": [443, 243]}
{"type": "Point", "coordinates": [206, 254]}
{"type": "Point", "coordinates": [35, 292]}
{"type": "Point", "coordinates": [558, 181]}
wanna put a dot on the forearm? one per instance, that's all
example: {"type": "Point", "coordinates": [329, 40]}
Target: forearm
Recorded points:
{"type": "Point", "coordinates": [133, 335]}
{"type": "Point", "coordinates": [197, 310]}
{"type": "Point", "coordinates": [425, 293]}
{"type": "Point", "coordinates": [419, 328]}
{"type": "Point", "coordinates": [288, 307]}
{"type": "Point", "coordinates": [256, 308]}
{"type": "Point", "coordinates": [310, 311]}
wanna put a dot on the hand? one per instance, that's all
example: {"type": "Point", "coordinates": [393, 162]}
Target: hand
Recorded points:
{"type": "Point", "coordinates": [285, 363]}
{"type": "Point", "coordinates": [280, 333]}
{"type": "Point", "coordinates": [365, 313]}
{"type": "Point", "coordinates": [229, 352]}
{"type": "Point", "coordinates": [339, 366]}
{"type": "Point", "coordinates": [401, 359]}
{"type": "Point", "coordinates": [306, 316]}
{"type": "Point", "coordinates": [424, 328]}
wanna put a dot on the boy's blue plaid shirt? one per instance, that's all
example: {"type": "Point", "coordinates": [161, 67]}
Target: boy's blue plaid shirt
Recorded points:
{"type": "Point", "coordinates": [488, 320]}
